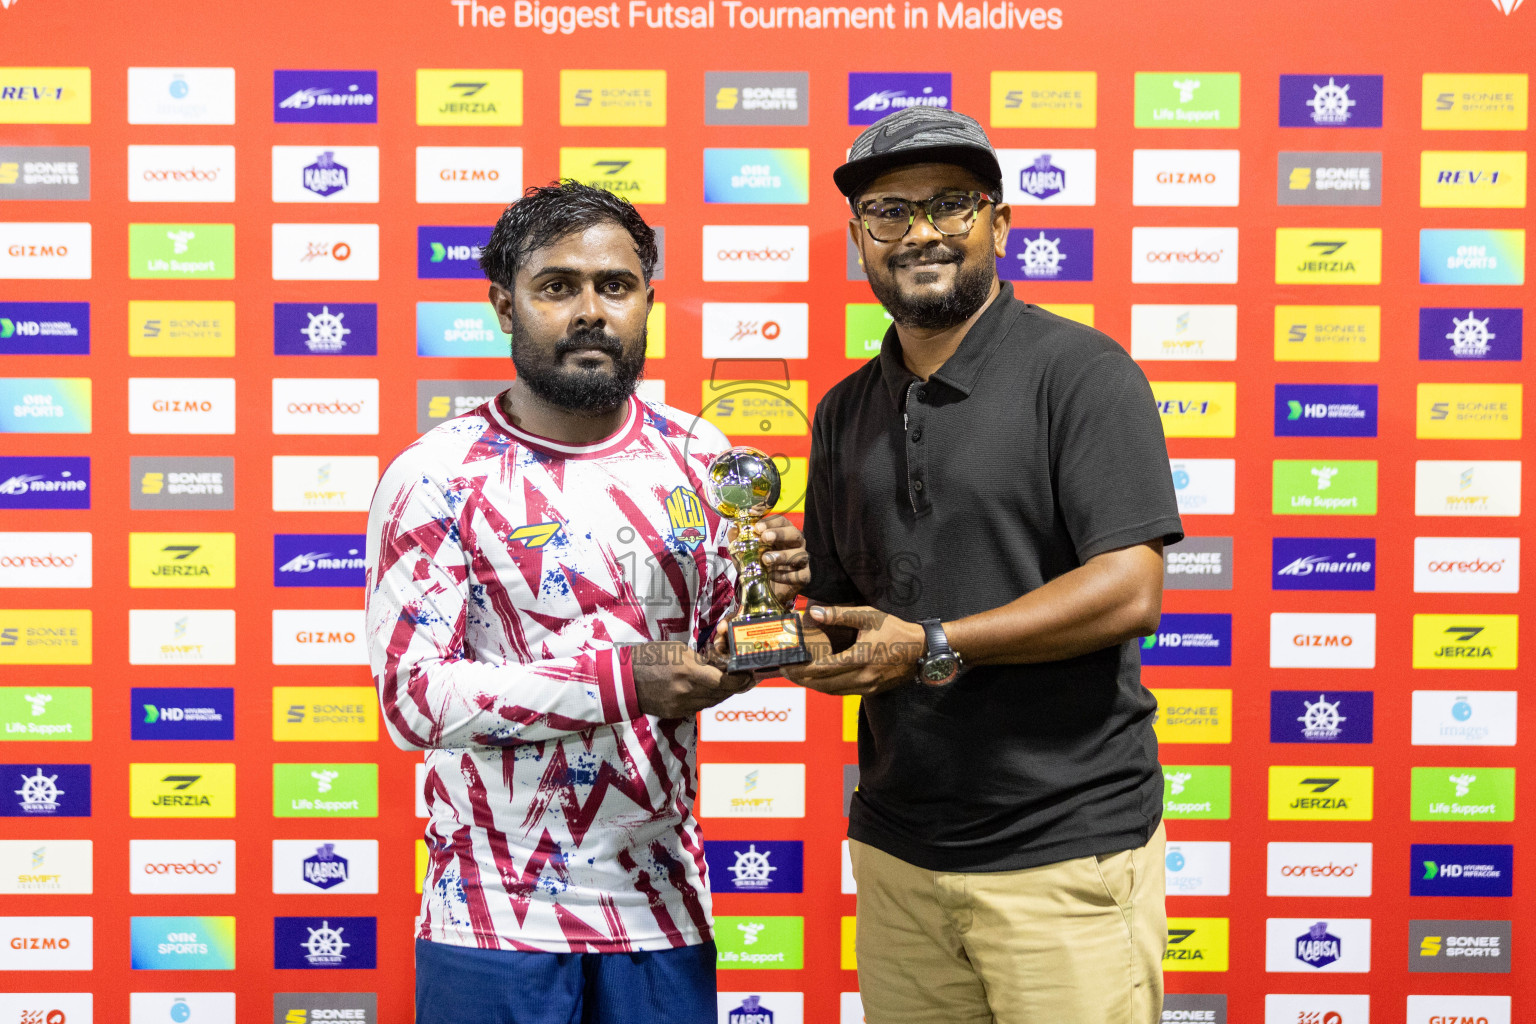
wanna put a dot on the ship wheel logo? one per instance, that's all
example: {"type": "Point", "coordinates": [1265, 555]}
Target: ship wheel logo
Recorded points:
{"type": "Point", "coordinates": [1330, 103]}
{"type": "Point", "coordinates": [752, 870]}
{"type": "Point", "coordinates": [39, 793]}
{"type": "Point", "coordinates": [1320, 721]}
{"type": "Point", "coordinates": [325, 331]}
{"type": "Point", "coordinates": [1042, 256]}
{"type": "Point", "coordinates": [1470, 337]}
{"type": "Point", "coordinates": [324, 945]}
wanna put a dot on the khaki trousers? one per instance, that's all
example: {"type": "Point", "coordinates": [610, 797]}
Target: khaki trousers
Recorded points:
{"type": "Point", "coordinates": [1077, 942]}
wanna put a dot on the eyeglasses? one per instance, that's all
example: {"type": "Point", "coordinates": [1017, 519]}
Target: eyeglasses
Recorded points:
{"type": "Point", "coordinates": [950, 213]}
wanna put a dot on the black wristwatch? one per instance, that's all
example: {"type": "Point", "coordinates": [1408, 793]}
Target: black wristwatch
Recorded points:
{"type": "Point", "coordinates": [939, 664]}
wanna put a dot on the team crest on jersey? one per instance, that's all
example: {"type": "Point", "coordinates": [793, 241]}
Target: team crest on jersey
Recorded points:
{"type": "Point", "coordinates": [686, 512]}
{"type": "Point", "coordinates": [534, 535]}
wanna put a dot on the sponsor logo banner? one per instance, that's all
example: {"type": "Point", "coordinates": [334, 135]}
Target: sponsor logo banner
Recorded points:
{"type": "Point", "coordinates": [1458, 947]}
{"type": "Point", "coordinates": [325, 405]}
{"type": "Point", "coordinates": [314, 174]}
{"type": "Point", "coordinates": [469, 174]}
{"type": "Point", "coordinates": [1330, 101]}
{"type": "Point", "coordinates": [1324, 563]}
{"type": "Point", "coordinates": [1196, 944]}
{"type": "Point", "coordinates": [1188, 100]}
{"type": "Point", "coordinates": [469, 96]}
{"type": "Point", "coordinates": [325, 252]}
{"type": "Point", "coordinates": [1312, 716]}
{"type": "Point", "coordinates": [182, 713]}
{"type": "Point", "coordinates": [318, 560]}
{"type": "Point", "coordinates": [1328, 256]}
{"type": "Point", "coordinates": [1184, 255]}
{"type": "Point", "coordinates": [325, 713]}
{"type": "Point", "coordinates": [1180, 332]}
{"type": "Point", "coordinates": [52, 636]}
{"type": "Point", "coordinates": [1472, 257]}
{"type": "Point", "coordinates": [757, 97]}
{"type": "Point", "coordinates": [1044, 99]}
{"type": "Point", "coordinates": [1197, 408]}
{"type": "Point", "coordinates": [1197, 791]}
{"type": "Point", "coordinates": [311, 866]}
{"type": "Point", "coordinates": [47, 943]}
{"type": "Point", "coordinates": [181, 866]}
{"type": "Point", "coordinates": [1184, 177]}
{"type": "Point", "coordinates": [30, 714]}
{"type": "Point", "coordinates": [440, 400]}
{"type": "Point", "coordinates": [304, 1007]}
{"type": "Point", "coordinates": [163, 636]}
{"type": "Point", "coordinates": [325, 97]}
{"type": "Point", "coordinates": [864, 327]}
{"type": "Point", "coordinates": [45, 328]}
{"type": "Point", "coordinates": [1478, 411]}
{"type": "Point", "coordinates": [35, 790]}
{"type": "Point", "coordinates": [325, 791]}
{"type": "Point", "coordinates": [314, 943]}
{"type": "Point", "coordinates": [1322, 640]}
{"type": "Point", "coordinates": [45, 96]}
{"type": "Point", "coordinates": [1343, 487]}
{"type": "Point", "coordinates": [755, 408]}
{"type": "Point", "coordinates": [165, 482]}
{"type": "Point", "coordinates": [1047, 254]}
{"type": "Point", "coordinates": [1466, 565]}
{"type": "Point", "coordinates": [1302, 945]}
{"type": "Point", "coordinates": [181, 95]}
{"type": "Point", "coordinates": [161, 790]}
{"type": "Point", "coordinates": [762, 865]}
{"type": "Point", "coordinates": [1485, 334]}
{"type": "Point", "coordinates": [1321, 792]}
{"type": "Point", "coordinates": [323, 483]}
{"type": "Point", "coordinates": [181, 174]}
{"type": "Point", "coordinates": [181, 405]}
{"type": "Point", "coordinates": [1198, 563]}
{"type": "Point", "coordinates": [636, 173]}
{"type": "Point", "coordinates": [1462, 794]}
{"type": "Point", "coordinates": [181, 560]}
{"type": "Point", "coordinates": [181, 328]}
{"type": "Point", "coordinates": [45, 251]}
{"type": "Point", "coordinates": [1494, 103]}
{"type": "Point", "coordinates": [45, 560]}
{"type": "Point", "coordinates": [1465, 718]}
{"type": "Point", "coordinates": [1198, 869]}
{"type": "Point", "coordinates": [748, 943]}
{"type": "Point", "coordinates": [1328, 179]}
{"type": "Point", "coordinates": [1193, 716]}
{"type": "Point", "coordinates": [766, 713]}
{"type": "Point", "coordinates": [157, 1007]}
{"type": "Point", "coordinates": [1319, 869]}
{"type": "Point", "coordinates": [460, 330]}
{"type": "Point", "coordinates": [1328, 334]}
{"type": "Point", "coordinates": [873, 94]}
{"type": "Point", "coordinates": [45, 482]}
{"type": "Point", "coordinates": [1454, 1009]}
{"type": "Point", "coordinates": [1325, 410]}
{"type": "Point", "coordinates": [325, 329]}
{"type": "Point", "coordinates": [1205, 486]}
{"type": "Point", "coordinates": [1443, 869]}
{"type": "Point", "coordinates": [778, 176]}
{"type": "Point", "coordinates": [756, 330]}
{"type": "Point", "coordinates": [45, 172]}
{"type": "Point", "coordinates": [62, 866]}
{"type": "Point", "coordinates": [318, 636]}
{"type": "Point", "coordinates": [1061, 177]}
{"type": "Point", "coordinates": [1466, 641]}
{"type": "Point", "coordinates": [1187, 1008]}
{"type": "Point", "coordinates": [177, 252]}
{"type": "Point", "coordinates": [756, 253]}
{"type": "Point", "coordinates": [1332, 1009]}
{"type": "Point", "coordinates": [450, 252]}
{"type": "Point", "coordinates": [760, 1007]}
{"type": "Point", "coordinates": [1472, 180]}
{"type": "Point", "coordinates": [1189, 639]}
{"type": "Point", "coordinates": [752, 791]}
{"type": "Point", "coordinates": [1460, 488]}
{"type": "Point", "coordinates": [613, 98]}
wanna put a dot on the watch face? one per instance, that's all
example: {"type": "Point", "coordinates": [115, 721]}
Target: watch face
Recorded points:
{"type": "Point", "coordinates": [940, 668]}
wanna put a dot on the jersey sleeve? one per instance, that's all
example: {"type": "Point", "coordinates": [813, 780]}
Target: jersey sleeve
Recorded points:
{"type": "Point", "coordinates": [435, 696]}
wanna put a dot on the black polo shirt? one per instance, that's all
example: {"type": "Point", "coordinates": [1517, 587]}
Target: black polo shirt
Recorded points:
{"type": "Point", "coordinates": [1036, 446]}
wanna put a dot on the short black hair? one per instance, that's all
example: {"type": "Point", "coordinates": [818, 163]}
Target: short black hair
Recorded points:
{"type": "Point", "coordinates": [547, 213]}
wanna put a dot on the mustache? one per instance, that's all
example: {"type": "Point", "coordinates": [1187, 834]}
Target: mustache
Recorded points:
{"type": "Point", "coordinates": [592, 337]}
{"type": "Point", "coordinates": [934, 254]}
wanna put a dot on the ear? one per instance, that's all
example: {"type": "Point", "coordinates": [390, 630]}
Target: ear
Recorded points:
{"type": "Point", "coordinates": [856, 233]}
{"type": "Point", "coordinates": [1002, 217]}
{"type": "Point", "coordinates": [501, 302]}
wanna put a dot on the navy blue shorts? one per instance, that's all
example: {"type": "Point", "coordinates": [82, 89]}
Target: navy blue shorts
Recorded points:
{"type": "Point", "coordinates": [464, 985]}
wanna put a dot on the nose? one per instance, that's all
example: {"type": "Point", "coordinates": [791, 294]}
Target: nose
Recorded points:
{"type": "Point", "coordinates": [589, 309]}
{"type": "Point", "coordinates": [922, 233]}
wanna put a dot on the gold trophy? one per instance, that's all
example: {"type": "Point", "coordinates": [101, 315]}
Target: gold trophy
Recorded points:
{"type": "Point", "coordinates": [742, 484]}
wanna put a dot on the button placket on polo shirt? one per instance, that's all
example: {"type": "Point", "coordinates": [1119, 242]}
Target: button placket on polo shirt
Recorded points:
{"type": "Point", "coordinates": [916, 415]}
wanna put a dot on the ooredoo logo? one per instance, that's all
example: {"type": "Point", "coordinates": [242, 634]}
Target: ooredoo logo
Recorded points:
{"type": "Point", "coordinates": [42, 560]}
{"type": "Point", "coordinates": [1184, 255]}
{"type": "Point", "coordinates": [325, 405]}
{"type": "Point", "coordinates": [1466, 565]}
{"type": "Point", "coordinates": [171, 174]}
{"type": "Point", "coordinates": [1320, 869]}
{"type": "Point", "coordinates": [769, 713]}
{"type": "Point", "coordinates": [766, 253]}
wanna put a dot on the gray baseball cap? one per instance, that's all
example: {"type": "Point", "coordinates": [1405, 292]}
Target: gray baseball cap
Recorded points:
{"type": "Point", "coordinates": [917, 135]}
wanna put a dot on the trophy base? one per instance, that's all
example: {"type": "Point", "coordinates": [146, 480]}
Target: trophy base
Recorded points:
{"type": "Point", "coordinates": [765, 642]}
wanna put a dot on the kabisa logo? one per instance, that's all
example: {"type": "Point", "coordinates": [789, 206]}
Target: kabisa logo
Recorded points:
{"type": "Point", "coordinates": [1332, 101]}
{"type": "Point", "coordinates": [1461, 870]}
{"type": "Point", "coordinates": [1318, 947]}
{"type": "Point", "coordinates": [757, 97]}
{"type": "Point", "coordinates": [450, 251]}
{"type": "Point", "coordinates": [325, 176]}
{"type": "Point", "coordinates": [325, 97]}
{"type": "Point", "coordinates": [1325, 410]}
{"type": "Point", "coordinates": [751, 1011]}
{"type": "Point", "coordinates": [1042, 179]}
{"type": "Point", "coordinates": [1189, 639]}
{"type": "Point", "coordinates": [326, 868]}
{"type": "Point", "coordinates": [324, 943]}
{"type": "Point", "coordinates": [1048, 254]}
{"type": "Point", "coordinates": [183, 713]}
{"type": "Point", "coordinates": [1324, 563]}
{"type": "Point", "coordinates": [45, 328]}
{"type": "Point", "coordinates": [1308, 716]}
{"type": "Point", "coordinates": [872, 95]}
{"type": "Point", "coordinates": [1471, 335]}
{"type": "Point", "coordinates": [318, 559]}
{"type": "Point", "coordinates": [45, 790]}
{"type": "Point", "coordinates": [685, 512]}
{"type": "Point", "coordinates": [761, 865]}
{"type": "Point", "coordinates": [330, 329]}
{"type": "Point", "coordinates": [45, 482]}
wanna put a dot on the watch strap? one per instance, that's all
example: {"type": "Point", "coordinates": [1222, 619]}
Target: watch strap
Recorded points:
{"type": "Point", "coordinates": [938, 643]}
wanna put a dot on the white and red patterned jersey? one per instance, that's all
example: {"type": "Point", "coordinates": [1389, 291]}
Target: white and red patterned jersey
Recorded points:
{"type": "Point", "coordinates": [507, 572]}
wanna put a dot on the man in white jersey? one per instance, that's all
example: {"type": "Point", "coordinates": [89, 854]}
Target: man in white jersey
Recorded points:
{"type": "Point", "coordinates": [543, 589]}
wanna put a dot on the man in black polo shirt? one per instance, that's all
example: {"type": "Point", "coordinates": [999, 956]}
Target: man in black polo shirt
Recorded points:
{"type": "Point", "coordinates": [988, 502]}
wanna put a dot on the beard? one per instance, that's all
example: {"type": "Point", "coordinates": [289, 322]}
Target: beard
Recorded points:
{"type": "Point", "coordinates": [973, 281]}
{"type": "Point", "coordinates": [593, 391]}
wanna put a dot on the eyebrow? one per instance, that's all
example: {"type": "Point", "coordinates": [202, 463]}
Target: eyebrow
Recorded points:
{"type": "Point", "coordinates": [606, 274]}
{"type": "Point", "coordinates": [909, 199]}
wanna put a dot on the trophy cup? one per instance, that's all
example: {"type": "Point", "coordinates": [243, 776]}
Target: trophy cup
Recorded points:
{"type": "Point", "coordinates": [742, 484]}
